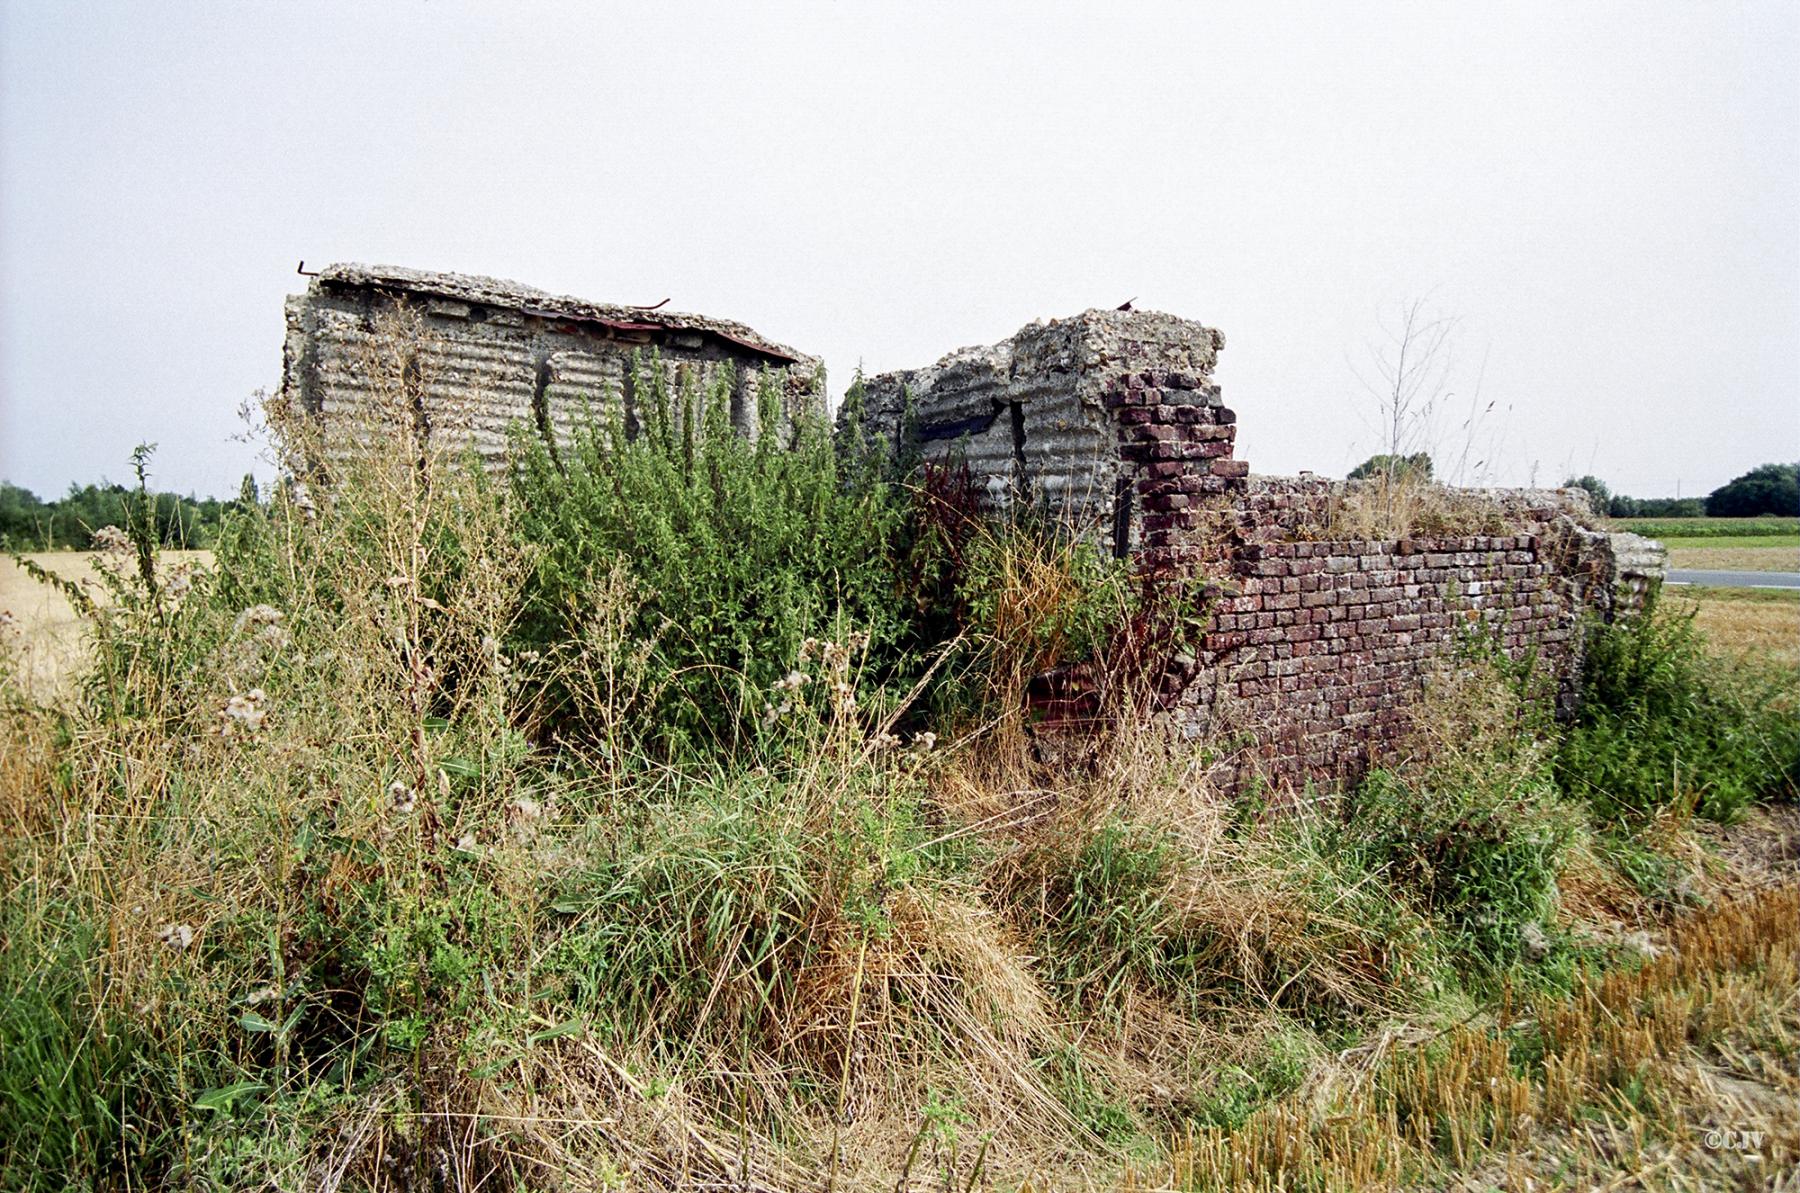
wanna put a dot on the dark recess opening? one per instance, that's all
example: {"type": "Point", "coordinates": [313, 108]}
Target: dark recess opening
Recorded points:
{"type": "Point", "coordinates": [1017, 410]}
{"type": "Point", "coordinates": [628, 396]}
{"type": "Point", "coordinates": [1121, 517]}
{"type": "Point", "coordinates": [540, 409]}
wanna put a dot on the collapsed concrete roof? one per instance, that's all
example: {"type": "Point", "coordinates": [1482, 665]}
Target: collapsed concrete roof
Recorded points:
{"type": "Point", "coordinates": [497, 292]}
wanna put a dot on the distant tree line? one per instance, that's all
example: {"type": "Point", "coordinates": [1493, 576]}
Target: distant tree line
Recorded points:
{"type": "Point", "coordinates": [1617, 505]}
{"type": "Point", "coordinates": [1770, 489]}
{"type": "Point", "coordinates": [29, 523]}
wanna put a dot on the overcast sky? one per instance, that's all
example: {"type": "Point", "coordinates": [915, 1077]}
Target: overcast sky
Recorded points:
{"type": "Point", "coordinates": [1606, 196]}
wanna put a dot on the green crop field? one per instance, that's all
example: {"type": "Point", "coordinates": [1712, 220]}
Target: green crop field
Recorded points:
{"type": "Point", "coordinates": [1720, 542]}
{"type": "Point", "coordinates": [1711, 528]}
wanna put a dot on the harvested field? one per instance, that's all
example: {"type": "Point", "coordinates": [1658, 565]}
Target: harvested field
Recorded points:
{"type": "Point", "coordinates": [1735, 558]}
{"type": "Point", "coordinates": [50, 627]}
{"type": "Point", "coordinates": [1674, 1075]}
{"type": "Point", "coordinates": [1748, 622]}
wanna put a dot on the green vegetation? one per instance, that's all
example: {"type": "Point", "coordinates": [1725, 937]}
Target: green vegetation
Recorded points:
{"type": "Point", "coordinates": [1482, 855]}
{"type": "Point", "coordinates": [1617, 505]}
{"type": "Point", "coordinates": [1416, 467]}
{"type": "Point", "coordinates": [1773, 490]}
{"type": "Point", "coordinates": [665, 813]}
{"type": "Point", "coordinates": [1596, 489]}
{"type": "Point", "coordinates": [1762, 531]}
{"type": "Point", "coordinates": [28, 523]}
{"type": "Point", "coordinates": [1770, 489]}
{"type": "Point", "coordinates": [738, 553]}
{"type": "Point", "coordinates": [1680, 508]}
{"type": "Point", "coordinates": [1661, 723]}
{"type": "Point", "coordinates": [1771, 542]}
{"type": "Point", "coordinates": [1747, 596]}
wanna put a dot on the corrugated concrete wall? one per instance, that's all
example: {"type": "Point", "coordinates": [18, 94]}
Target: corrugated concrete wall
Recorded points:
{"type": "Point", "coordinates": [466, 357]}
{"type": "Point", "coordinates": [1029, 416]}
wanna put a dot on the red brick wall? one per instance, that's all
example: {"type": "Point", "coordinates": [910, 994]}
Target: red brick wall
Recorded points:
{"type": "Point", "coordinates": [1175, 452]}
{"type": "Point", "coordinates": [1318, 650]}
{"type": "Point", "coordinates": [1318, 658]}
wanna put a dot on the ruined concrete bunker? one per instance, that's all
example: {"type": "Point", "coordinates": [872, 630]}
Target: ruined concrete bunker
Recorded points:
{"type": "Point", "coordinates": [1320, 638]}
{"type": "Point", "coordinates": [489, 354]}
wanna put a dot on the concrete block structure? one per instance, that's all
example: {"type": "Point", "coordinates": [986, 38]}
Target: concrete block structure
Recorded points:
{"type": "Point", "coordinates": [1040, 416]}
{"type": "Point", "coordinates": [482, 354]}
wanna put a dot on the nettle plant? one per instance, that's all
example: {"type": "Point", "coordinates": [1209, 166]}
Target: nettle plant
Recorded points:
{"type": "Point", "coordinates": [736, 551]}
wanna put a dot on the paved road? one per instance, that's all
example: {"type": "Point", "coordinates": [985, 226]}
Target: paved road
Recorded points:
{"type": "Point", "coordinates": [1736, 579]}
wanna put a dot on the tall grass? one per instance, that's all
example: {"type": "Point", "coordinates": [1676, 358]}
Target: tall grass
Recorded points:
{"type": "Point", "coordinates": [666, 814]}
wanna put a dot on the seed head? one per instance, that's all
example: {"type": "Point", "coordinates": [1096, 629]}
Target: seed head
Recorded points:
{"type": "Point", "coordinates": [243, 714]}
{"type": "Point", "coordinates": [256, 615]}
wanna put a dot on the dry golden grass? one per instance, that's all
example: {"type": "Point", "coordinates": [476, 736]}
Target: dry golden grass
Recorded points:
{"type": "Point", "coordinates": [1677, 1074]}
{"type": "Point", "coordinates": [1394, 507]}
{"type": "Point", "coordinates": [50, 629]}
{"type": "Point", "coordinates": [1762, 624]}
{"type": "Point", "coordinates": [1736, 559]}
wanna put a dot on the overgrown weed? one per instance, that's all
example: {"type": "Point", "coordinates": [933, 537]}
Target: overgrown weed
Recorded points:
{"type": "Point", "coordinates": [1662, 724]}
{"type": "Point", "coordinates": [445, 835]}
{"type": "Point", "coordinates": [1399, 503]}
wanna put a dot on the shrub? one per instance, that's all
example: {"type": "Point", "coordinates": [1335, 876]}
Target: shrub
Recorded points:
{"type": "Point", "coordinates": [1770, 489]}
{"type": "Point", "coordinates": [1483, 860]}
{"type": "Point", "coordinates": [1662, 723]}
{"type": "Point", "coordinates": [1600, 497]}
{"type": "Point", "coordinates": [1416, 466]}
{"type": "Point", "coordinates": [738, 550]}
